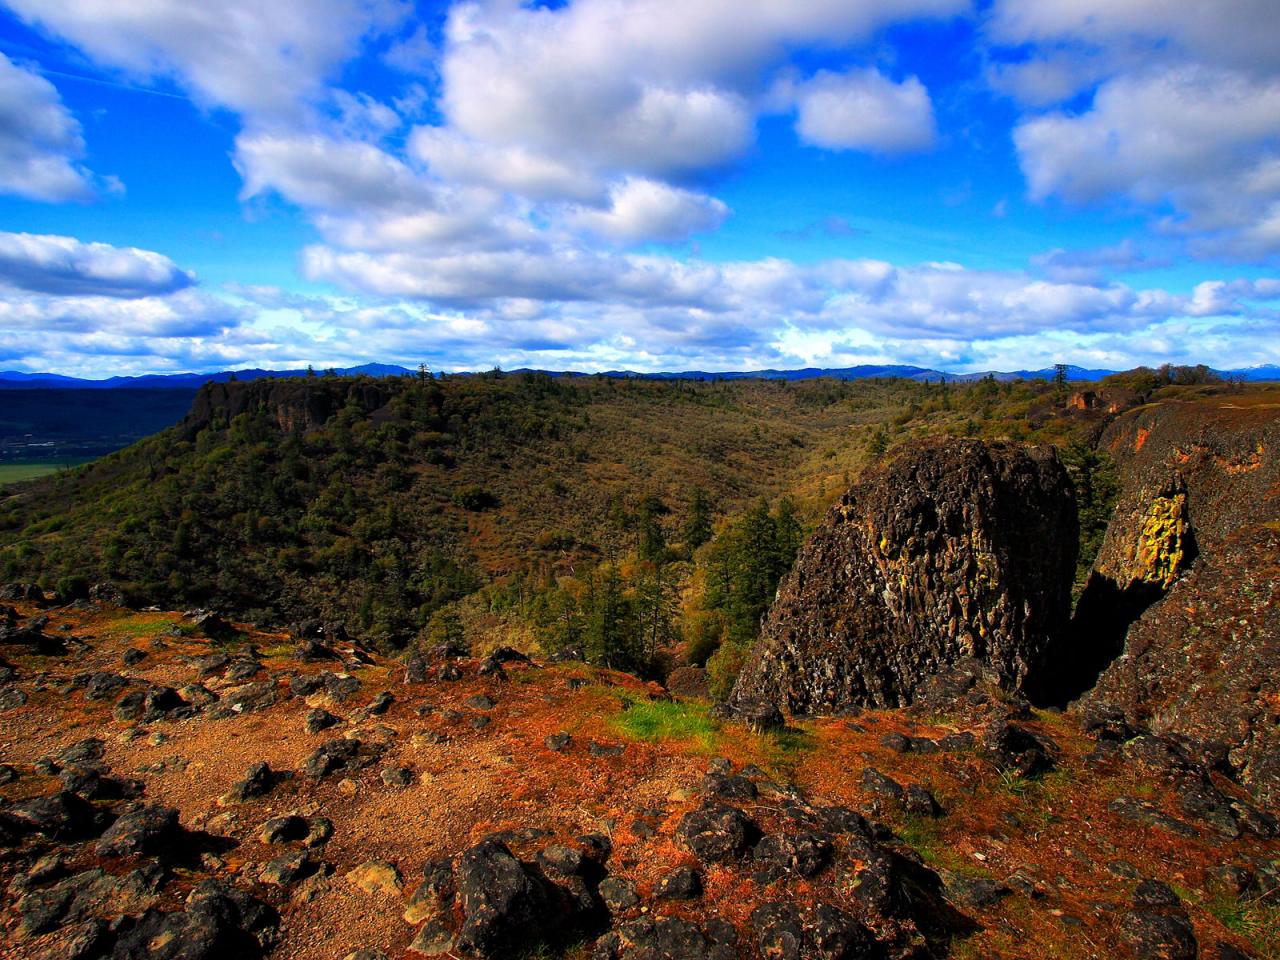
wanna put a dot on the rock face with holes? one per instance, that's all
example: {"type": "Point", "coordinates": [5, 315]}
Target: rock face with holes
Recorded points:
{"type": "Point", "coordinates": [956, 550]}
{"type": "Point", "coordinates": [1184, 599]}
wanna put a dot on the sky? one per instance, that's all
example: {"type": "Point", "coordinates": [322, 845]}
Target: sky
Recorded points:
{"type": "Point", "coordinates": [638, 184]}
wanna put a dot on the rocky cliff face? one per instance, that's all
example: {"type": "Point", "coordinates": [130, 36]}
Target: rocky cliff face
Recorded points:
{"type": "Point", "coordinates": [1185, 591]}
{"type": "Point", "coordinates": [956, 549]}
{"type": "Point", "coordinates": [295, 405]}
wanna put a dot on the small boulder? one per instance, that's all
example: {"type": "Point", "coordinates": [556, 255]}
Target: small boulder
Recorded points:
{"type": "Point", "coordinates": [377, 877]}
{"type": "Point", "coordinates": [716, 833]}
{"type": "Point", "coordinates": [683, 883]}
{"type": "Point", "coordinates": [152, 829]}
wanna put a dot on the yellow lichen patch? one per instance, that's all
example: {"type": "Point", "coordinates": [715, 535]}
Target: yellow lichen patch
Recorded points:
{"type": "Point", "coordinates": [1162, 543]}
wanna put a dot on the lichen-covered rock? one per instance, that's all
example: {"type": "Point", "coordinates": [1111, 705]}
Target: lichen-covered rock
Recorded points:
{"type": "Point", "coordinates": [956, 549]}
{"type": "Point", "coordinates": [1184, 600]}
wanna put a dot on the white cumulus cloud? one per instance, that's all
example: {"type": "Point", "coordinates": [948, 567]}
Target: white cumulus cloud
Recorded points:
{"type": "Point", "coordinates": [865, 110]}
{"type": "Point", "coordinates": [40, 141]}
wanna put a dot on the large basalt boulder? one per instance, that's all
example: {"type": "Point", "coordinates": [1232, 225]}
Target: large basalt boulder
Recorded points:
{"type": "Point", "coordinates": [1180, 616]}
{"type": "Point", "coordinates": [956, 549]}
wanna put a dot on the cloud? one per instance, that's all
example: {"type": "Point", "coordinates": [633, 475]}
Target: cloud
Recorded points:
{"type": "Point", "coordinates": [40, 141]}
{"type": "Point", "coordinates": [641, 87]}
{"type": "Point", "coordinates": [927, 301]}
{"type": "Point", "coordinates": [457, 158]}
{"type": "Point", "coordinates": [865, 110]}
{"type": "Point", "coordinates": [1181, 114]}
{"type": "Point", "coordinates": [1202, 143]}
{"type": "Point", "coordinates": [642, 210]}
{"type": "Point", "coordinates": [1094, 266]}
{"type": "Point", "coordinates": [259, 59]}
{"type": "Point", "coordinates": [1225, 33]}
{"type": "Point", "coordinates": [66, 266]}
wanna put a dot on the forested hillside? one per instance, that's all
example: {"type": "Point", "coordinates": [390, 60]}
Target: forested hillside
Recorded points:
{"type": "Point", "coordinates": [625, 517]}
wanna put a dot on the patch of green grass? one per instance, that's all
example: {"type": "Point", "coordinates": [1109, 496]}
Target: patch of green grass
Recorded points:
{"type": "Point", "coordinates": [659, 721]}
{"type": "Point", "coordinates": [17, 472]}
{"type": "Point", "coordinates": [1253, 918]}
{"type": "Point", "coordinates": [924, 836]}
{"type": "Point", "coordinates": [143, 626]}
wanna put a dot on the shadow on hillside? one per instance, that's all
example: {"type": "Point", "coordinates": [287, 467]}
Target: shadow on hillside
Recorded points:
{"type": "Point", "coordinates": [1097, 634]}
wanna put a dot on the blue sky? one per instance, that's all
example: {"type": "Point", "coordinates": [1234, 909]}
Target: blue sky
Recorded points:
{"type": "Point", "coordinates": [596, 184]}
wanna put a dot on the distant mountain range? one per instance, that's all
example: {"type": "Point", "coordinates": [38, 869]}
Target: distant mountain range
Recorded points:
{"type": "Point", "coordinates": [16, 380]}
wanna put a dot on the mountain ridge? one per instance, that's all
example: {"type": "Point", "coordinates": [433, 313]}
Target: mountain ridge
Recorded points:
{"type": "Point", "coordinates": [20, 380]}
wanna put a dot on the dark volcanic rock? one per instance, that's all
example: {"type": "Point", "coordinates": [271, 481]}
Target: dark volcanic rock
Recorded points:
{"type": "Point", "coordinates": [504, 906]}
{"type": "Point", "coordinates": [149, 830]}
{"type": "Point", "coordinates": [716, 833]}
{"type": "Point", "coordinates": [60, 816]}
{"type": "Point", "coordinates": [667, 938]}
{"type": "Point", "coordinates": [956, 549]}
{"type": "Point", "coordinates": [1183, 606]}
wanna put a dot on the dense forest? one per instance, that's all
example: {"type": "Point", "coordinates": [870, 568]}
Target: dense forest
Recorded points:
{"type": "Point", "coordinates": [632, 521]}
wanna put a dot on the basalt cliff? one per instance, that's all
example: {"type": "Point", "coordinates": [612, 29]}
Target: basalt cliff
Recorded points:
{"type": "Point", "coordinates": [956, 552]}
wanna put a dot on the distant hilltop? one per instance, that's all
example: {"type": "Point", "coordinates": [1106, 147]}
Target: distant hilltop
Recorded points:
{"type": "Point", "coordinates": [17, 380]}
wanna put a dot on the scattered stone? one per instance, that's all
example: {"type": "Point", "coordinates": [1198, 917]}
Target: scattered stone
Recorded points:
{"type": "Point", "coordinates": [879, 785]}
{"type": "Point", "coordinates": [920, 801]}
{"type": "Point", "coordinates": [11, 698]}
{"type": "Point", "coordinates": [557, 742]}
{"type": "Point", "coordinates": [197, 695]}
{"type": "Point", "coordinates": [417, 669]}
{"type": "Point", "coordinates": [480, 702]}
{"type": "Point", "coordinates": [247, 698]}
{"type": "Point", "coordinates": [895, 742]}
{"type": "Point", "coordinates": [257, 782]}
{"type": "Point", "coordinates": [605, 749]}
{"type": "Point", "coordinates": [152, 829]}
{"type": "Point", "coordinates": [320, 719]}
{"type": "Point", "coordinates": [1140, 811]}
{"type": "Point", "coordinates": [1157, 927]}
{"type": "Point", "coordinates": [319, 830]}
{"type": "Point", "coordinates": [730, 786]}
{"type": "Point", "coordinates": [376, 877]}
{"type": "Point", "coordinates": [133, 656]}
{"type": "Point", "coordinates": [802, 854]}
{"type": "Point", "coordinates": [760, 716]}
{"type": "Point", "coordinates": [975, 893]}
{"type": "Point", "coordinates": [618, 894]}
{"type": "Point", "coordinates": [333, 755]}
{"type": "Point", "coordinates": [434, 896]}
{"type": "Point", "coordinates": [1015, 750]}
{"type": "Point", "coordinates": [480, 722]}
{"type": "Point", "coordinates": [283, 829]}
{"type": "Point", "coordinates": [397, 776]}
{"type": "Point", "coordinates": [242, 669]}
{"type": "Point", "coordinates": [379, 704]}
{"type": "Point", "coordinates": [59, 816]}
{"type": "Point", "coordinates": [450, 672]}
{"type": "Point", "coordinates": [211, 663]}
{"type": "Point", "coordinates": [287, 869]}
{"type": "Point", "coordinates": [340, 687]}
{"type": "Point", "coordinates": [504, 906]}
{"type": "Point", "coordinates": [715, 833]}
{"type": "Point", "coordinates": [683, 883]}
{"type": "Point", "coordinates": [433, 940]}
{"type": "Point", "coordinates": [667, 938]}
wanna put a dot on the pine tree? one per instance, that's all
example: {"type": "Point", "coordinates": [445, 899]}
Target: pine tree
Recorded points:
{"type": "Point", "coordinates": [697, 528]}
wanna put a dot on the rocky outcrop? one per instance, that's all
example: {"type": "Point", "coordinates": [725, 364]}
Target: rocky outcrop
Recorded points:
{"type": "Point", "coordinates": [1183, 606]}
{"type": "Point", "coordinates": [956, 550]}
{"type": "Point", "coordinates": [295, 405]}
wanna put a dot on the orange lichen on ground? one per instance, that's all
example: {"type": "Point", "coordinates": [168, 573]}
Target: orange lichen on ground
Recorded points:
{"type": "Point", "coordinates": [1058, 831]}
